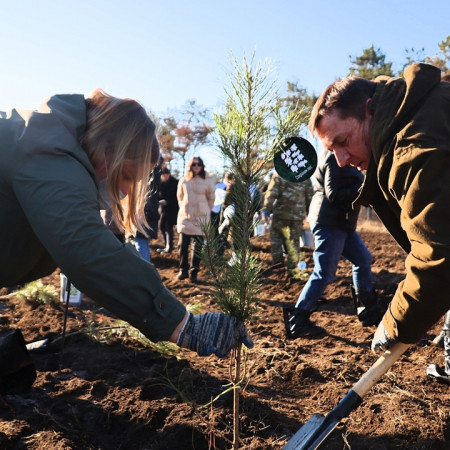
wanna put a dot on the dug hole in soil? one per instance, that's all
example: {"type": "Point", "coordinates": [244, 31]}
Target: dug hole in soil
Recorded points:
{"type": "Point", "coordinates": [109, 390]}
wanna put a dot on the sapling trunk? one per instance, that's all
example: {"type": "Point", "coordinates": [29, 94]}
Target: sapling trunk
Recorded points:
{"type": "Point", "coordinates": [236, 395]}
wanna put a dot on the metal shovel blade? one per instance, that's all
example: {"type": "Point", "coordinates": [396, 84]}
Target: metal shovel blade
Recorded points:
{"type": "Point", "coordinates": [315, 431]}
{"type": "Point", "coordinates": [306, 431]}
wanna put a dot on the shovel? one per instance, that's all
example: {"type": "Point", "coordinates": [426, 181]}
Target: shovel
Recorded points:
{"type": "Point", "coordinates": [316, 430]}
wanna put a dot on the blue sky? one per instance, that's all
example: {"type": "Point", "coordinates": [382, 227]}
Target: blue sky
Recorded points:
{"type": "Point", "coordinates": [166, 52]}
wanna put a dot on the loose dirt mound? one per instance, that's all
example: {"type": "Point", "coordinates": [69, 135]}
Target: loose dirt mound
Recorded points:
{"type": "Point", "coordinates": [110, 391]}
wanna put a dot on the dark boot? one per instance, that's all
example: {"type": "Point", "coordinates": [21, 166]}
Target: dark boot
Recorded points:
{"type": "Point", "coordinates": [297, 323]}
{"type": "Point", "coordinates": [193, 276]}
{"type": "Point", "coordinates": [169, 241]}
{"type": "Point", "coordinates": [17, 369]}
{"type": "Point", "coordinates": [368, 307]}
{"type": "Point", "coordinates": [182, 275]}
{"type": "Point", "coordinates": [168, 244]}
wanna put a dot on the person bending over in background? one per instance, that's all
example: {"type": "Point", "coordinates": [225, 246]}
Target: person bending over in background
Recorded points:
{"type": "Point", "coordinates": [333, 223]}
{"type": "Point", "coordinates": [59, 166]}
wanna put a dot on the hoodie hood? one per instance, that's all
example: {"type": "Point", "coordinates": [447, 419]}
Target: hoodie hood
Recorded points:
{"type": "Point", "coordinates": [396, 100]}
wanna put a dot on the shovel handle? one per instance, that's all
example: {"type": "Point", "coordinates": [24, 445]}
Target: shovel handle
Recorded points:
{"type": "Point", "coordinates": [379, 368]}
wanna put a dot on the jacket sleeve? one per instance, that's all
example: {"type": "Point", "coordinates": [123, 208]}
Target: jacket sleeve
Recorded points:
{"type": "Point", "coordinates": [272, 193]}
{"type": "Point", "coordinates": [211, 193]}
{"type": "Point", "coordinates": [59, 199]}
{"type": "Point", "coordinates": [423, 191]}
{"type": "Point", "coordinates": [180, 192]}
{"type": "Point", "coordinates": [309, 192]}
{"type": "Point", "coordinates": [341, 184]}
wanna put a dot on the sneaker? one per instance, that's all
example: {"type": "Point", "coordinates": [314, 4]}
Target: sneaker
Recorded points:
{"type": "Point", "coordinates": [164, 250]}
{"type": "Point", "coordinates": [182, 275]}
{"type": "Point", "coordinates": [434, 371]}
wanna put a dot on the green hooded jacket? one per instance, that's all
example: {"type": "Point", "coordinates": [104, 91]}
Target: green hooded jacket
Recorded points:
{"type": "Point", "coordinates": [407, 182]}
{"type": "Point", "coordinates": [50, 218]}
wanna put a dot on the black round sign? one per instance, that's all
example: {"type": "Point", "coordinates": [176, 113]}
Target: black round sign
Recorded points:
{"type": "Point", "coordinates": [296, 160]}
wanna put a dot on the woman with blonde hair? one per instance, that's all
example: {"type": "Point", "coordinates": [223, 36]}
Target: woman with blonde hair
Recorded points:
{"type": "Point", "coordinates": [196, 194]}
{"type": "Point", "coordinates": [59, 166]}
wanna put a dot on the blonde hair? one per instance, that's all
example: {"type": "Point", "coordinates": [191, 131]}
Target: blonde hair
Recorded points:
{"type": "Point", "coordinates": [119, 131]}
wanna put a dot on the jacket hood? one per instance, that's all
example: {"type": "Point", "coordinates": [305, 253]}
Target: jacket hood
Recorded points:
{"type": "Point", "coordinates": [56, 128]}
{"type": "Point", "coordinates": [396, 99]}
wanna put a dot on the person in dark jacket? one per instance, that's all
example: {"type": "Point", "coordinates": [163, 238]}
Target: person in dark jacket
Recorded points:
{"type": "Point", "coordinates": [151, 213]}
{"type": "Point", "coordinates": [398, 130]}
{"type": "Point", "coordinates": [333, 223]}
{"type": "Point", "coordinates": [169, 208]}
{"type": "Point", "coordinates": [59, 166]}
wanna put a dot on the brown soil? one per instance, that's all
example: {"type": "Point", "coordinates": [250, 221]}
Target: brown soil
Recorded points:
{"type": "Point", "coordinates": [110, 391]}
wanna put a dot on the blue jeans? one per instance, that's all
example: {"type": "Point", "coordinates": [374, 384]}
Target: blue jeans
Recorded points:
{"type": "Point", "coordinates": [142, 247]}
{"type": "Point", "coordinates": [330, 244]}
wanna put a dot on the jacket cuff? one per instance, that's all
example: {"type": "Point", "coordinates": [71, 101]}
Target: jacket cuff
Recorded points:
{"type": "Point", "coordinates": [166, 312]}
{"type": "Point", "coordinates": [398, 326]}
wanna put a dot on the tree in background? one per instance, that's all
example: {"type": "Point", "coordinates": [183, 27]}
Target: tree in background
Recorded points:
{"type": "Point", "coordinates": [251, 127]}
{"type": "Point", "coordinates": [412, 56]}
{"type": "Point", "coordinates": [165, 133]}
{"type": "Point", "coordinates": [166, 137]}
{"type": "Point", "coordinates": [181, 132]}
{"type": "Point", "coordinates": [297, 97]}
{"type": "Point", "coordinates": [370, 64]}
{"type": "Point", "coordinates": [442, 57]}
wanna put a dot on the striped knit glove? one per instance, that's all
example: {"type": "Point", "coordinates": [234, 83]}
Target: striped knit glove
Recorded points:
{"type": "Point", "coordinates": [214, 333]}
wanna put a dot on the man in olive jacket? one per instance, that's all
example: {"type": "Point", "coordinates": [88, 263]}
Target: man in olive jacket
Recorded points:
{"type": "Point", "coordinates": [398, 129]}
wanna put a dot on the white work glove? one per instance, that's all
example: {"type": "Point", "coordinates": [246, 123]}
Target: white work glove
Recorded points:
{"type": "Point", "coordinates": [224, 224]}
{"type": "Point", "coordinates": [381, 340]}
{"type": "Point", "coordinates": [214, 333]}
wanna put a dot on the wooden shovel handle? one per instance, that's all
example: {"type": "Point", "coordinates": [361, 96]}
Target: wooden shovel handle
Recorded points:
{"type": "Point", "coordinates": [379, 368]}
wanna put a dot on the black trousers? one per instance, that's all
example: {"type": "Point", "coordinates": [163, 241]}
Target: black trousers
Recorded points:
{"type": "Point", "coordinates": [166, 228]}
{"type": "Point", "coordinates": [185, 240]}
{"type": "Point", "coordinates": [215, 222]}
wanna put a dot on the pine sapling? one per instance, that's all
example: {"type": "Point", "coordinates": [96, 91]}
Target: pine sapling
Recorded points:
{"type": "Point", "coordinates": [251, 127]}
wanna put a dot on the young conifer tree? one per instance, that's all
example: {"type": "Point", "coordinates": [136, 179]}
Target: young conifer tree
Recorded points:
{"type": "Point", "coordinates": [251, 127]}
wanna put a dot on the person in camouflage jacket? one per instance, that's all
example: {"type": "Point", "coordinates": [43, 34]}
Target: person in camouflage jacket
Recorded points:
{"type": "Point", "coordinates": [289, 203]}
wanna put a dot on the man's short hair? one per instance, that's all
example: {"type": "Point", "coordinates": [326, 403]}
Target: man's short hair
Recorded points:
{"type": "Point", "coordinates": [347, 96]}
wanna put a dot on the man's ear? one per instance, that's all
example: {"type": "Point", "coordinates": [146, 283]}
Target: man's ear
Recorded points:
{"type": "Point", "coordinates": [369, 110]}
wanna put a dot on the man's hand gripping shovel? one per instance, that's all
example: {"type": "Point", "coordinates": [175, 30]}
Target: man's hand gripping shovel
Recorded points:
{"type": "Point", "coordinates": [316, 430]}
